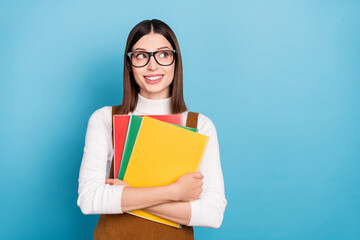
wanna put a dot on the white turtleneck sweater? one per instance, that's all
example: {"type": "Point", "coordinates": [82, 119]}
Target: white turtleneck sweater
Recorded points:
{"type": "Point", "coordinates": [96, 197]}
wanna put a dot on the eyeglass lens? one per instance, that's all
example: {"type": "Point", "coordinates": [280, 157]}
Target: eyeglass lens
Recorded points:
{"type": "Point", "coordinates": [139, 59]}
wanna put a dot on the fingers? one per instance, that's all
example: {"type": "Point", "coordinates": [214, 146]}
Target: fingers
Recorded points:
{"type": "Point", "coordinates": [112, 181]}
{"type": "Point", "coordinates": [198, 175]}
{"type": "Point", "coordinates": [116, 181]}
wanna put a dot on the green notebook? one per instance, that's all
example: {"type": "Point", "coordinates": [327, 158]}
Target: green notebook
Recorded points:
{"type": "Point", "coordinates": [131, 135]}
{"type": "Point", "coordinates": [189, 128]}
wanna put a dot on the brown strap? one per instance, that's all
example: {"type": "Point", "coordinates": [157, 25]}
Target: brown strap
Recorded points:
{"type": "Point", "coordinates": [192, 119]}
{"type": "Point", "coordinates": [114, 109]}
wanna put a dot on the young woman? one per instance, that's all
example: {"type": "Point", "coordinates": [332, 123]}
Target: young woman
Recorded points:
{"type": "Point", "coordinates": [153, 84]}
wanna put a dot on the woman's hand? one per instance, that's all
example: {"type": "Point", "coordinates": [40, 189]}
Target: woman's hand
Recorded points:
{"type": "Point", "coordinates": [115, 181]}
{"type": "Point", "coordinates": [188, 187]}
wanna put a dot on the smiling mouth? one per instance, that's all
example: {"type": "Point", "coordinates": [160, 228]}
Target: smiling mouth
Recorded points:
{"type": "Point", "coordinates": [153, 78]}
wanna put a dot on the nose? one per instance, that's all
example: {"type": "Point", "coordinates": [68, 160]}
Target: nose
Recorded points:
{"type": "Point", "coordinates": [152, 65]}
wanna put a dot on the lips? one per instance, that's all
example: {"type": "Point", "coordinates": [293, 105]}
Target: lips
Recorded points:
{"type": "Point", "coordinates": [153, 78]}
{"type": "Point", "coordinates": [153, 75]}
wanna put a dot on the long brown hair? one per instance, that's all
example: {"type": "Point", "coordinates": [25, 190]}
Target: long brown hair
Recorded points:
{"type": "Point", "coordinates": [131, 88]}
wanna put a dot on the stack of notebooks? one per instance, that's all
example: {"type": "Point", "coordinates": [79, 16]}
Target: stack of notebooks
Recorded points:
{"type": "Point", "coordinates": [155, 150]}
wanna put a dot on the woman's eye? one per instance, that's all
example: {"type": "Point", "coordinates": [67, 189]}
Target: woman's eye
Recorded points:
{"type": "Point", "coordinates": [140, 55]}
{"type": "Point", "coordinates": [164, 54]}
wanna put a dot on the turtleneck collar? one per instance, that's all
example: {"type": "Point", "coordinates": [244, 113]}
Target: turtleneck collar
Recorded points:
{"type": "Point", "coordinates": [154, 107]}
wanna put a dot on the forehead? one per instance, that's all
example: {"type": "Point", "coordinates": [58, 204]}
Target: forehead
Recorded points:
{"type": "Point", "coordinates": [151, 42]}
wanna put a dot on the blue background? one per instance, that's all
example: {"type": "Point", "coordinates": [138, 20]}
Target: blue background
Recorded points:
{"type": "Point", "coordinates": [279, 79]}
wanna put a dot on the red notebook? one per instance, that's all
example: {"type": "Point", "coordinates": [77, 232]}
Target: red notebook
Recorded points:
{"type": "Point", "coordinates": [120, 129]}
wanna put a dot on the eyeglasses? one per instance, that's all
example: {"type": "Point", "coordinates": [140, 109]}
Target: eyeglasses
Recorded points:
{"type": "Point", "coordinates": [141, 58]}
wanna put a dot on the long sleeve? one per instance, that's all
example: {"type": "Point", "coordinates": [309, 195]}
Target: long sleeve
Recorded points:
{"type": "Point", "coordinates": [96, 197]}
{"type": "Point", "coordinates": [208, 210]}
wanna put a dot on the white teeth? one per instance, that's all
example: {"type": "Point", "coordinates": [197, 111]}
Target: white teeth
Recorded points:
{"type": "Point", "coordinates": [153, 78]}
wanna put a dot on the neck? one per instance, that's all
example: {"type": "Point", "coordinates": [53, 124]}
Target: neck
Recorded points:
{"type": "Point", "coordinates": [148, 106]}
{"type": "Point", "coordinates": [155, 96]}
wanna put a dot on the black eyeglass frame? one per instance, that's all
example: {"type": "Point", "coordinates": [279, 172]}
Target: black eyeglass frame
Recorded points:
{"type": "Point", "coordinates": [152, 54]}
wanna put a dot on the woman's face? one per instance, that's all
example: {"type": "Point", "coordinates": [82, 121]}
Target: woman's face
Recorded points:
{"type": "Point", "coordinates": [153, 88]}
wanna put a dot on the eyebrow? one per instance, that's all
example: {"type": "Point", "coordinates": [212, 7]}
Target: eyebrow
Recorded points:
{"type": "Point", "coordinates": [157, 49]}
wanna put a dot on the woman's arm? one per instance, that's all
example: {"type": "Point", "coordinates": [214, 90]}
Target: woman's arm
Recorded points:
{"type": "Point", "coordinates": [179, 212]}
{"type": "Point", "coordinates": [134, 198]}
{"type": "Point", "coordinates": [96, 197]}
{"type": "Point", "coordinates": [208, 210]}
{"type": "Point", "coordinates": [186, 188]}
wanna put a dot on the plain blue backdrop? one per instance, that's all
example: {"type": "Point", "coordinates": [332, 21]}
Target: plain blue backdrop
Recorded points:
{"type": "Point", "coordinates": [279, 79]}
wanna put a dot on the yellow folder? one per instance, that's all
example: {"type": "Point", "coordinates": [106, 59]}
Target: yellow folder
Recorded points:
{"type": "Point", "coordinates": [162, 153]}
